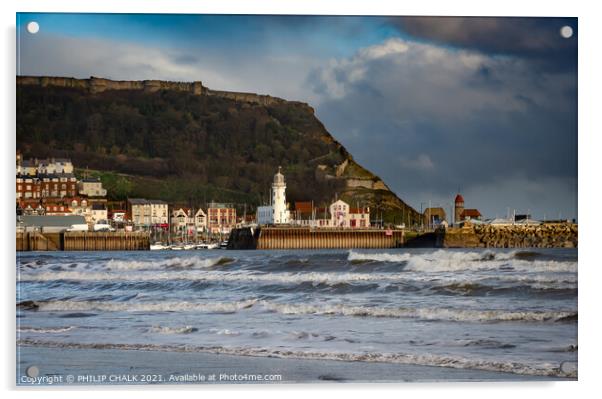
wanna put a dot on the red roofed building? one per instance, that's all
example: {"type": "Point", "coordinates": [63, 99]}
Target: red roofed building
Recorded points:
{"type": "Point", "coordinates": [461, 214]}
{"type": "Point", "coordinates": [469, 214]}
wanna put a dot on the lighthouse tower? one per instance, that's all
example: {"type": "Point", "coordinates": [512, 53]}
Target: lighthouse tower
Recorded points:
{"type": "Point", "coordinates": [458, 208]}
{"type": "Point", "coordinates": [280, 213]}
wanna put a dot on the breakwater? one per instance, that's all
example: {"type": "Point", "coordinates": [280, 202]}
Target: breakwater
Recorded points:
{"type": "Point", "coordinates": [558, 235]}
{"type": "Point", "coordinates": [306, 238]}
{"type": "Point", "coordinates": [82, 241]}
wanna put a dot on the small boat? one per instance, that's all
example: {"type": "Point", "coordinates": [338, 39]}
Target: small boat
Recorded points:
{"type": "Point", "coordinates": [205, 245]}
{"type": "Point", "coordinates": [158, 246]}
{"type": "Point", "coordinates": [223, 244]}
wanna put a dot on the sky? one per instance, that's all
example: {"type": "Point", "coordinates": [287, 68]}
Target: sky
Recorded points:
{"type": "Point", "coordinates": [433, 105]}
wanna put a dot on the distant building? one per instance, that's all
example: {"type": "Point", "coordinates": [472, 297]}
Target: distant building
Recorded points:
{"type": "Point", "coordinates": [470, 214]}
{"type": "Point", "coordinates": [276, 212]}
{"type": "Point", "coordinates": [343, 216]}
{"type": "Point", "coordinates": [34, 167]}
{"type": "Point", "coordinates": [98, 212]}
{"type": "Point", "coordinates": [433, 217]}
{"type": "Point", "coordinates": [458, 208]}
{"type": "Point", "coordinates": [46, 178]}
{"type": "Point", "coordinates": [182, 221]}
{"type": "Point", "coordinates": [148, 213]}
{"type": "Point", "coordinates": [461, 214]}
{"type": "Point", "coordinates": [91, 187]}
{"type": "Point", "coordinates": [200, 221]}
{"type": "Point", "coordinates": [221, 218]}
{"type": "Point", "coordinates": [54, 166]}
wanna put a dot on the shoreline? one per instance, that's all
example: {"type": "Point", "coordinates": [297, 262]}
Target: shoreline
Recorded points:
{"type": "Point", "coordinates": [89, 365]}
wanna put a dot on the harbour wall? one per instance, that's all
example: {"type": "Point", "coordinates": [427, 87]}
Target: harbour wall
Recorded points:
{"type": "Point", "coordinates": [83, 241]}
{"type": "Point", "coordinates": [306, 238]}
{"type": "Point", "coordinates": [561, 235]}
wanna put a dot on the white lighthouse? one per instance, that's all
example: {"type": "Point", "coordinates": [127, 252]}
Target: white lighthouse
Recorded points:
{"type": "Point", "coordinates": [276, 212]}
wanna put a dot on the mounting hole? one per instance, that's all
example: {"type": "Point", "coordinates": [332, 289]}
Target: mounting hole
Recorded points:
{"type": "Point", "coordinates": [32, 371]}
{"type": "Point", "coordinates": [566, 32]}
{"type": "Point", "coordinates": [33, 27]}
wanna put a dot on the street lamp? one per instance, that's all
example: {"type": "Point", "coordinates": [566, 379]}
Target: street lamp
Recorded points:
{"type": "Point", "coordinates": [422, 216]}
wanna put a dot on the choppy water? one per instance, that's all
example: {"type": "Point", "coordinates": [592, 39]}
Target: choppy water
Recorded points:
{"type": "Point", "coordinates": [500, 310]}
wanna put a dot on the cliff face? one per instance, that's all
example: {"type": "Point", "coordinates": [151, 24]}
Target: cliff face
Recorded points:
{"type": "Point", "coordinates": [183, 142]}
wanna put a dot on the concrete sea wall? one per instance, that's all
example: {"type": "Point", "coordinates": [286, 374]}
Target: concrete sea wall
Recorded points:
{"type": "Point", "coordinates": [82, 241]}
{"type": "Point", "coordinates": [305, 238]}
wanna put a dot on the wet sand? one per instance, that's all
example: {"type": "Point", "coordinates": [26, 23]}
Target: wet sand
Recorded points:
{"type": "Point", "coordinates": [113, 367]}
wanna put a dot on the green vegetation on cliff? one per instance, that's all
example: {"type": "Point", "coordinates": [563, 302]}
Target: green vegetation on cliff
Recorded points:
{"type": "Point", "coordinates": [189, 148]}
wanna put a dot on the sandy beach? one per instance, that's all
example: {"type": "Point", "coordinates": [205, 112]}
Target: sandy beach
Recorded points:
{"type": "Point", "coordinates": [98, 366]}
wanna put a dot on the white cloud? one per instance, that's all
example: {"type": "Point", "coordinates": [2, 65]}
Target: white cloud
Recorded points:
{"type": "Point", "coordinates": [426, 78]}
{"type": "Point", "coordinates": [83, 57]}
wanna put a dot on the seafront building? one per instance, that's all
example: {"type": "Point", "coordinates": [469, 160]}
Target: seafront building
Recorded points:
{"type": "Point", "coordinates": [221, 218]}
{"type": "Point", "coordinates": [147, 214]}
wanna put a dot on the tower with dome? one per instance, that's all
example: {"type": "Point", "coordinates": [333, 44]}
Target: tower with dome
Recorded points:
{"type": "Point", "coordinates": [276, 212]}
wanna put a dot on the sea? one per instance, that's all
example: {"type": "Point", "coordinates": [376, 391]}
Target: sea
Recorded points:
{"type": "Point", "coordinates": [504, 310]}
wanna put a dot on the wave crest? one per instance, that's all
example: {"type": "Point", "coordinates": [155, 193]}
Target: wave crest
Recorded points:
{"type": "Point", "coordinates": [444, 261]}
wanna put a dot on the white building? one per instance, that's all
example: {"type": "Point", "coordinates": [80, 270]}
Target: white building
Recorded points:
{"type": "Point", "coordinates": [91, 187]}
{"type": "Point", "coordinates": [276, 212]}
{"type": "Point", "coordinates": [182, 220]}
{"type": "Point", "coordinates": [200, 221]}
{"type": "Point", "coordinates": [342, 216]}
{"type": "Point", "coordinates": [148, 213]}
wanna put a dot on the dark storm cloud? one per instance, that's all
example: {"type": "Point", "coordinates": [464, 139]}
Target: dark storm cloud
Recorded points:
{"type": "Point", "coordinates": [537, 39]}
{"type": "Point", "coordinates": [430, 120]}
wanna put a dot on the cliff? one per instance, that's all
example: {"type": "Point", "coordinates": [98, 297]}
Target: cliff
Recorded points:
{"type": "Point", "coordinates": [186, 143]}
{"type": "Point", "coordinates": [98, 85]}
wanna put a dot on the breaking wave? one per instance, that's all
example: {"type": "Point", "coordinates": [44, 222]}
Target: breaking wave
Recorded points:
{"type": "Point", "coordinates": [174, 263]}
{"type": "Point", "coordinates": [215, 307]}
{"type": "Point", "coordinates": [173, 330]}
{"type": "Point", "coordinates": [449, 314]}
{"type": "Point", "coordinates": [535, 368]}
{"type": "Point", "coordinates": [444, 261]}
{"type": "Point", "coordinates": [45, 330]}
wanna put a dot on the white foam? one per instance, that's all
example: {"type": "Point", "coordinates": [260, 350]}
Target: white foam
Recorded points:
{"type": "Point", "coordinates": [379, 257]}
{"type": "Point", "coordinates": [224, 331]}
{"type": "Point", "coordinates": [450, 314]}
{"type": "Point", "coordinates": [220, 307]}
{"type": "Point", "coordinates": [184, 262]}
{"type": "Point", "coordinates": [173, 330]}
{"type": "Point", "coordinates": [45, 330]}
{"type": "Point", "coordinates": [533, 368]}
{"type": "Point", "coordinates": [445, 261]}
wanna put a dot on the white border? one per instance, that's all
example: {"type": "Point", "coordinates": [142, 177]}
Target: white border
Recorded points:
{"type": "Point", "coordinates": [590, 130]}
